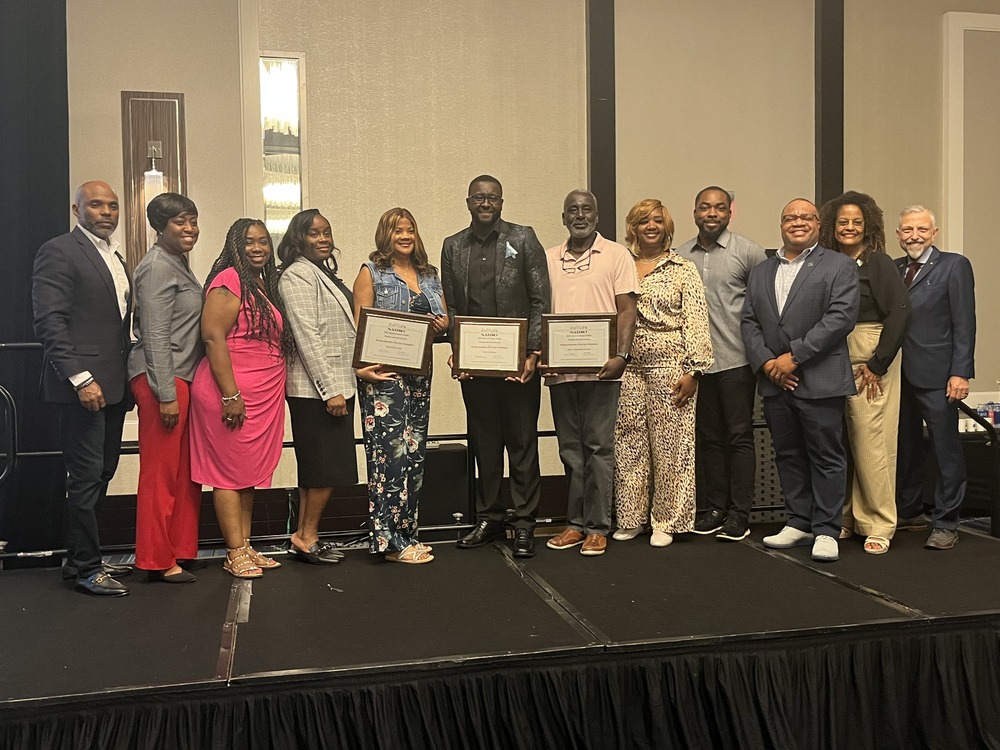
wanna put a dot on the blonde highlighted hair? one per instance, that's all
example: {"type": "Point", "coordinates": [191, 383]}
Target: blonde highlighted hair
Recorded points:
{"type": "Point", "coordinates": [640, 211]}
{"type": "Point", "coordinates": [382, 255]}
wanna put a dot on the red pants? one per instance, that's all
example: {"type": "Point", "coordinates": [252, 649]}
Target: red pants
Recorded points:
{"type": "Point", "coordinates": [167, 501]}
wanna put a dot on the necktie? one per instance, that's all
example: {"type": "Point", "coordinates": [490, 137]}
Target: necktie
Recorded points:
{"type": "Point", "coordinates": [911, 271]}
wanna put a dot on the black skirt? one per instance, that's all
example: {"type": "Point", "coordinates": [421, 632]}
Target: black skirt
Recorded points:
{"type": "Point", "coordinates": [324, 445]}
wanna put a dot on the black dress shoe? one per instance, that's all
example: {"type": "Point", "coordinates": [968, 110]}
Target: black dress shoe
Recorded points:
{"type": "Point", "coordinates": [101, 584]}
{"type": "Point", "coordinates": [524, 543]}
{"type": "Point", "coordinates": [112, 569]}
{"type": "Point", "coordinates": [484, 533]}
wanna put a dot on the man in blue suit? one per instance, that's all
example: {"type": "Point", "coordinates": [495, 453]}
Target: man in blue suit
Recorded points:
{"type": "Point", "coordinates": [799, 307]}
{"type": "Point", "coordinates": [938, 356]}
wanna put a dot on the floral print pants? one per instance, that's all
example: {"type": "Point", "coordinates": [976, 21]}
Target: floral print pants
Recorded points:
{"type": "Point", "coordinates": [394, 418]}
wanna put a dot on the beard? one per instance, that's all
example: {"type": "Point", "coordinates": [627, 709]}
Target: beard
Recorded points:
{"type": "Point", "coordinates": [915, 249]}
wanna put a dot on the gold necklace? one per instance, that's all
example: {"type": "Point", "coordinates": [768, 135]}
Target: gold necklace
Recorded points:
{"type": "Point", "coordinates": [653, 259]}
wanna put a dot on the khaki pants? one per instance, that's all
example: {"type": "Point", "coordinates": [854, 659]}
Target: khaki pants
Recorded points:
{"type": "Point", "coordinates": [872, 427]}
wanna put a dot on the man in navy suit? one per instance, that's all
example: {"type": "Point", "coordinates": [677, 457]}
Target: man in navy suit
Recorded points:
{"type": "Point", "coordinates": [81, 295]}
{"type": "Point", "coordinates": [493, 268]}
{"type": "Point", "coordinates": [938, 356]}
{"type": "Point", "coordinates": [799, 307]}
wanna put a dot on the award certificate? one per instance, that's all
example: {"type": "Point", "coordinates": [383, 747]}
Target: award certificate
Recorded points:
{"type": "Point", "coordinates": [489, 347]}
{"type": "Point", "coordinates": [578, 343]}
{"type": "Point", "coordinates": [400, 341]}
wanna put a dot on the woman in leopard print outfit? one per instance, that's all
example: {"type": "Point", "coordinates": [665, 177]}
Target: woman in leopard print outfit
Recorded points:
{"type": "Point", "coordinates": [654, 433]}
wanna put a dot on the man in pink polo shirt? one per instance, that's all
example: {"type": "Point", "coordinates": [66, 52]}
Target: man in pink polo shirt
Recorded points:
{"type": "Point", "coordinates": [589, 274]}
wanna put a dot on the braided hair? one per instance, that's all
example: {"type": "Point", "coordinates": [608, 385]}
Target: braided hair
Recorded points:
{"type": "Point", "coordinates": [873, 239]}
{"type": "Point", "coordinates": [263, 324]}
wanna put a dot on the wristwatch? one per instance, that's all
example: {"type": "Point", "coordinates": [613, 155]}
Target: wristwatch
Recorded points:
{"type": "Point", "coordinates": [696, 374]}
{"type": "Point", "coordinates": [625, 355]}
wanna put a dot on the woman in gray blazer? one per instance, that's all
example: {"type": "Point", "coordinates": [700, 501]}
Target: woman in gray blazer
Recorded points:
{"type": "Point", "coordinates": [321, 385]}
{"type": "Point", "coordinates": [160, 367]}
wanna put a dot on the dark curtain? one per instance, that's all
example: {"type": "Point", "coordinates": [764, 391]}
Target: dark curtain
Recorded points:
{"type": "Point", "coordinates": [915, 686]}
{"type": "Point", "coordinates": [34, 206]}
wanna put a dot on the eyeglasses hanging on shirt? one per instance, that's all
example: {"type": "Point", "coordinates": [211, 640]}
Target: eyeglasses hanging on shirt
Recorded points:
{"type": "Point", "coordinates": [580, 264]}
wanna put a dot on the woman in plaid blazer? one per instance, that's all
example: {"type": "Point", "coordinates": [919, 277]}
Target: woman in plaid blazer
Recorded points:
{"type": "Point", "coordinates": [320, 387]}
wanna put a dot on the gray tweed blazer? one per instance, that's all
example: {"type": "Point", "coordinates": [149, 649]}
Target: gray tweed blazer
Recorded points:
{"type": "Point", "coordinates": [322, 324]}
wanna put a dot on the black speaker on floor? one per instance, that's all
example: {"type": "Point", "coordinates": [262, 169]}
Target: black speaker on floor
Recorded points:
{"type": "Point", "coordinates": [446, 486]}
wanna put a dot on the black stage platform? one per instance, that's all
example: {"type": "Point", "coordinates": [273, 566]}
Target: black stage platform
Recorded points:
{"type": "Point", "coordinates": [702, 644]}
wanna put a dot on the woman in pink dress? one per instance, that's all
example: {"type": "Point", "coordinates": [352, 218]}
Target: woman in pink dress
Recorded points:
{"type": "Point", "coordinates": [237, 397]}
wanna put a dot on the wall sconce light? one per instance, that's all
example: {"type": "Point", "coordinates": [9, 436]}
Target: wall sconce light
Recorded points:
{"type": "Point", "coordinates": [154, 160]}
{"type": "Point", "coordinates": [152, 184]}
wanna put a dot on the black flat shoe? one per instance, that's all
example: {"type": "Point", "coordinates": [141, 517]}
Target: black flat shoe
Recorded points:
{"type": "Point", "coordinates": [320, 553]}
{"type": "Point", "coordinates": [101, 584]}
{"type": "Point", "coordinates": [484, 533]}
{"type": "Point", "coordinates": [197, 563]}
{"type": "Point", "coordinates": [180, 577]}
{"type": "Point", "coordinates": [524, 543]}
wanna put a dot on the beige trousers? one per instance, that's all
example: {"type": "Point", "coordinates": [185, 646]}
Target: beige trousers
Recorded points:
{"type": "Point", "coordinates": [872, 428]}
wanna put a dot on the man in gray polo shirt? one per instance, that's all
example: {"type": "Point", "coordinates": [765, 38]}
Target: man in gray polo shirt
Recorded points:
{"type": "Point", "coordinates": [726, 392]}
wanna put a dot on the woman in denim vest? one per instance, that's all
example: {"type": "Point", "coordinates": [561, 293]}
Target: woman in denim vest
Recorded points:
{"type": "Point", "coordinates": [395, 408]}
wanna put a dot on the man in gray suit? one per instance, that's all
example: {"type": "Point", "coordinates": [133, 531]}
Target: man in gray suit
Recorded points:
{"type": "Point", "coordinates": [494, 268]}
{"type": "Point", "coordinates": [800, 306]}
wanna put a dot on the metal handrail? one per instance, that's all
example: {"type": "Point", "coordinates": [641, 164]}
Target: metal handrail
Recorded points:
{"type": "Point", "coordinates": [10, 442]}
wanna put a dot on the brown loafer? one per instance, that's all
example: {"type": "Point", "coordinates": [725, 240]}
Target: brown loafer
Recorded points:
{"type": "Point", "coordinates": [942, 539]}
{"type": "Point", "coordinates": [569, 538]}
{"type": "Point", "coordinates": [594, 544]}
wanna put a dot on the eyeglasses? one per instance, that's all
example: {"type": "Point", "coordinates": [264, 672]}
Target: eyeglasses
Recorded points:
{"type": "Point", "coordinates": [481, 198]}
{"type": "Point", "coordinates": [794, 218]}
{"type": "Point", "coordinates": [579, 264]}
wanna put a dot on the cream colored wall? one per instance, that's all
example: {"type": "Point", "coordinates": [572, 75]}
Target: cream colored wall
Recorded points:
{"type": "Point", "coordinates": [893, 136]}
{"type": "Point", "coordinates": [893, 106]}
{"type": "Point", "coordinates": [982, 190]}
{"type": "Point", "coordinates": [115, 46]}
{"type": "Point", "coordinates": [722, 97]}
{"type": "Point", "coordinates": [405, 106]}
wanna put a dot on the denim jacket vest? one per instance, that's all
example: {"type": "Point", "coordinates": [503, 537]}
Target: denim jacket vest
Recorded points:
{"type": "Point", "coordinates": [391, 292]}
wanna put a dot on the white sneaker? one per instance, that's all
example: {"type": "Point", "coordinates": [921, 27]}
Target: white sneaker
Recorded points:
{"type": "Point", "coordinates": [825, 549]}
{"type": "Point", "coordinates": [623, 535]}
{"type": "Point", "coordinates": [787, 538]}
{"type": "Point", "coordinates": [661, 539]}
